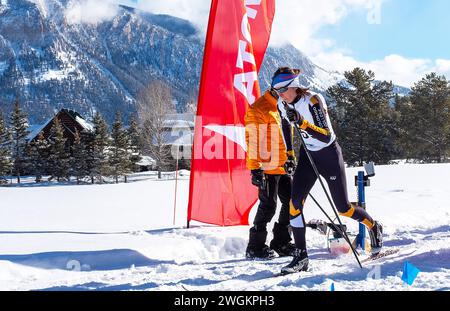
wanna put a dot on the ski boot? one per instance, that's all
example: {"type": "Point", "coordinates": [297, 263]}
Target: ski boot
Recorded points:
{"type": "Point", "coordinates": [284, 250]}
{"type": "Point", "coordinates": [264, 253]}
{"type": "Point", "coordinates": [376, 238]}
{"type": "Point", "coordinates": [299, 263]}
{"type": "Point", "coordinates": [281, 242]}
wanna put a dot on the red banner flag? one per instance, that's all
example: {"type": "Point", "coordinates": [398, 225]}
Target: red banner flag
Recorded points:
{"type": "Point", "coordinates": [221, 192]}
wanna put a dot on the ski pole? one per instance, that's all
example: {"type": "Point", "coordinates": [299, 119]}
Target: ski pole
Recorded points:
{"type": "Point", "coordinates": [331, 223]}
{"type": "Point", "coordinates": [311, 160]}
{"type": "Point", "coordinates": [336, 227]}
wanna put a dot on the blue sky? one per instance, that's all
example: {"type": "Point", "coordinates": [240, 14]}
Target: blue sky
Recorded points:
{"type": "Point", "coordinates": [402, 41]}
{"type": "Point", "coordinates": [411, 28]}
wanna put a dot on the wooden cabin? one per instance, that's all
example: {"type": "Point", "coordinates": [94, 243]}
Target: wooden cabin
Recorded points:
{"type": "Point", "coordinates": [71, 121]}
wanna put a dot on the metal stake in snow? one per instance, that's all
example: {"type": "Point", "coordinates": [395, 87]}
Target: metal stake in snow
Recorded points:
{"type": "Point", "coordinates": [176, 185]}
{"type": "Point", "coordinates": [362, 181]}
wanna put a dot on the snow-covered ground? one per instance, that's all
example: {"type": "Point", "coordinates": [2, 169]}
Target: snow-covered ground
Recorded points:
{"type": "Point", "coordinates": [123, 237]}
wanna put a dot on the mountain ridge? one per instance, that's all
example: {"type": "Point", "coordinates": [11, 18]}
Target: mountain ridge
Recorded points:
{"type": "Point", "coordinates": [49, 63]}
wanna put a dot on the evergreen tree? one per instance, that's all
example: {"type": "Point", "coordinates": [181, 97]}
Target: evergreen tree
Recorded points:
{"type": "Point", "coordinates": [135, 142]}
{"type": "Point", "coordinates": [119, 158]}
{"type": "Point", "coordinates": [425, 120]}
{"type": "Point", "coordinates": [27, 159]}
{"type": "Point", "coordinates": [79, 166]}
{"type": "Point", "coordinates": [88, 141]}
{"type": "Point", "coordinates": [382, 128]}
{"type": "Point", "coordinates": [363, 119]}
{"type": "Point", "coordinates": [19, 132]}
{"type": "Point", "coordinates": [100, 148]}
{"type": "Point", "coordinates": [59, 158]}
{"type": "Point", "coordinates": [5, 154]}
{"type": "Point", "coordinates": [40, 153]}
{"type": "Point", "coordinates": [405, 145]}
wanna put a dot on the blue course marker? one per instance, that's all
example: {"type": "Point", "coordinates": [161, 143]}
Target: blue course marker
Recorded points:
{"type": "Point", "coordinates": [410, 273]}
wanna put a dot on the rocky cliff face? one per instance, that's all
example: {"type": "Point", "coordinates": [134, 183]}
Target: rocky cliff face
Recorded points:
{"type": "Point", "coordinates": [49, 63]}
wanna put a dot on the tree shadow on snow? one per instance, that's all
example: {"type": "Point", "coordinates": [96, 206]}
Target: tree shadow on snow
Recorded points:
{"type": "Point", "coordinates": [63, 232]}
{"type": "Point", "coordinates": [153, 231]}
{"type": "Point", "coordinates": [85, 261]}
{"type": "Point", "coordinates": [96, 286]}
{"type": "Point", "coordinates": [441, 229]}
{"type": "Point", "coordinates": [399, 242]}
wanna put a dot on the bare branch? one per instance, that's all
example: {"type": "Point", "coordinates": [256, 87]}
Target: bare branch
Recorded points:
{"type": "Point", "coordinates": [155, 103]}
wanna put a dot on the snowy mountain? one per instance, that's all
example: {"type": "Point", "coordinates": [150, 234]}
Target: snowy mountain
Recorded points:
{"type": "Point", "coordinates": [123, 237]}
{"type": "Point", "coordinates": [50, 63]}
{"type": "Point", "coordinates": [312, 75]}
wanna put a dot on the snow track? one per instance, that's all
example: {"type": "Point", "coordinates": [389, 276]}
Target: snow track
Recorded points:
{"type": "Point", "coordinates": [112, 237]}
{"type": "Point", "coordinates": [197, 260]}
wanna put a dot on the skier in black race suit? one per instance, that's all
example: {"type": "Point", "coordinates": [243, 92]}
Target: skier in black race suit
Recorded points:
{"type": "Point", "coordinates": [309, 111]}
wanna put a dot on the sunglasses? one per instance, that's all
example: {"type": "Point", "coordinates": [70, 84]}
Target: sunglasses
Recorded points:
{"type": "Point", "coordinates": [284, 88]}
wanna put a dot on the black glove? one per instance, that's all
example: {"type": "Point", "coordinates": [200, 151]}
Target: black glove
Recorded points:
{"type": "Point", "coordinates": [293, 115]}
{"type": "Point", "coordinates": [258, 178]}
{"type": "Point", "coordinates": [290, 165]}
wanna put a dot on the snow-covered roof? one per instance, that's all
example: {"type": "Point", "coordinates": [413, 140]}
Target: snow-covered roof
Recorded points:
{"type": "Point", "coordinates": [180, 120]}
{"type": "Point", "coordinates": [178, 124]}
{"type": "Point", "coordinates": [85, 124]}
{"type": "Point", "coordinates": [181, 139]}
{"type": "Point", "coordinates": [181, 116]}
{"type": "Point", "coordinates": [146, 161]}
{"type": "Point", "coordinates": [34, 130]}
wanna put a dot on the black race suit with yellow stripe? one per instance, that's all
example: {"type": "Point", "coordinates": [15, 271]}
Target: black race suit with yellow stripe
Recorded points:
{"type": "Point", "coordinates": [326, 153]}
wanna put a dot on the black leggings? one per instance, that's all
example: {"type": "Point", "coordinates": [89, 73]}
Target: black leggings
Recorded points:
{"type": "Point", "coordinates": [277, 186]}
{"type": "Point", "coordinates": [330, 164]}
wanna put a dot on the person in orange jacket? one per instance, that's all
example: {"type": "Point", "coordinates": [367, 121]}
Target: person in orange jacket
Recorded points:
{"type": "Point", "coordinates": [270, 158]}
